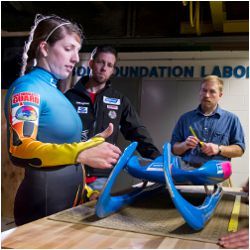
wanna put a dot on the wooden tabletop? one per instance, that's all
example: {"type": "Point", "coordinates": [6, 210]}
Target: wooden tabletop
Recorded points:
{"type": "Point", "coordinates": [45, 233]}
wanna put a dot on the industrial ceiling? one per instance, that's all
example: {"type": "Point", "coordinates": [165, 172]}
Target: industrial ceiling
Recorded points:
{"type": "Point", "coordinates": [142, 25]}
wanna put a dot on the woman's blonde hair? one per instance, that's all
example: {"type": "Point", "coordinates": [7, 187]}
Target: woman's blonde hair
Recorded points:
{"type": "Point", "coordinates": [46, 28]}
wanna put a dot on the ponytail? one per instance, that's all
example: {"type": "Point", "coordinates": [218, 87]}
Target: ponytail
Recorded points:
{"type": "Point", "coordinates": [29, 52]}
{"type": "Point", "coordinates": [27, 61]}
{"type": "Point", "coordinates": [51, 30]}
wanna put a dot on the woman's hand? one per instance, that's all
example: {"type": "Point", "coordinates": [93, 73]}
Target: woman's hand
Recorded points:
{"type": "Point", "coordinates": [107, 132]}
{"type": "Point", "coordinates": [94, 196]}
{"type": "Point", "coordinates": [102, 156]}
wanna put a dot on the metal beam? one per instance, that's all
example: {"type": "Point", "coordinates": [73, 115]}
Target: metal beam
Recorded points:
{"type": "Point", "coordinates": [234, 26]}
{"type": "Point", "coordinates": [151, 41]}
{"type": "Point", "coordinates": [205, 28]}
{"type": "Point", "coordinates": [14, 33]}
{"type": "Point", "coordinates": [217, 14]}
{"type": "Point", "coordinates": [175, 44]}
{"type": "Point", "coordinates": [239, 42]}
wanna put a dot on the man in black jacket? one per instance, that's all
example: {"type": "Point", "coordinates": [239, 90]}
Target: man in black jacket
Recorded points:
{"type": "Point", "coordinates": [98, 104]}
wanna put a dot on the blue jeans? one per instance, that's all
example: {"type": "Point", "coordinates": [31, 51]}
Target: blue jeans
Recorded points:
{"type": "Point", "coordinates": [98, 184]}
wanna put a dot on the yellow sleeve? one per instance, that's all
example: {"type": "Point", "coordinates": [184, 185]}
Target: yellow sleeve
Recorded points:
{"type": "Point", "coordinates": [25, 149]}
{"type": "Point", "coordinates": [38, 154]}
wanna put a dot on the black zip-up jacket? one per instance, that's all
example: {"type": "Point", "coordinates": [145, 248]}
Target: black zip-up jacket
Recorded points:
{"type": "Point", "coordinates": [110, 106]}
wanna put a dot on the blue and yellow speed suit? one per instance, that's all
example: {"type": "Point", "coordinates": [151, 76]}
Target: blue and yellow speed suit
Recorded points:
{"type": "Point", "coordinates": [44, 136]}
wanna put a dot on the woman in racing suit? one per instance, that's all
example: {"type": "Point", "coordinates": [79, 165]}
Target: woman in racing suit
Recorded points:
{"type": "Point", "coordinates": [44, 130]}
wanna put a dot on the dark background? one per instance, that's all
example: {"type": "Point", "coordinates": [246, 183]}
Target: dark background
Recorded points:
{"type": "Point", "coordinates": [130, 26]}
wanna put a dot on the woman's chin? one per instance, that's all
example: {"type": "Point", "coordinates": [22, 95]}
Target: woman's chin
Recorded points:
{"type": "Point", "coordinates": [64, 76]}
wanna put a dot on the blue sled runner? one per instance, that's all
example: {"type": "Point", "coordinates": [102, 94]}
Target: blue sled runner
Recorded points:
{"type": "Point", "coordinates": [166, 170]}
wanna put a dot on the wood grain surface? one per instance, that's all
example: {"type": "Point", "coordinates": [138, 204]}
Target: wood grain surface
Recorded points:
{"type": "Point", "coordinates": [51, 234]}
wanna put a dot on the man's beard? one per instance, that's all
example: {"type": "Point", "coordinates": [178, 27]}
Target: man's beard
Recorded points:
{"type": "Point", "coordinates": [99, 81]}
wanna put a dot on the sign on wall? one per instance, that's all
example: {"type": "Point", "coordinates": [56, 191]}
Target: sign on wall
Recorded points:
{"type": "Point", "coordinates": [176, 65]}
{"type": "Point", "coordinates": [162, 71]}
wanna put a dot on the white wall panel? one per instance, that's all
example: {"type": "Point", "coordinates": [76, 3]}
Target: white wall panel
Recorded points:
{"type": "Point", "coordinates": [165, 96]}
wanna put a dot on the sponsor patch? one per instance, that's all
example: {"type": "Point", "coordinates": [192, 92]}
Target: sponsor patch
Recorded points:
{"type": "Point", "coordinates": [112, 107]}
{"type": "Point", "coordinates": [82, 110]}
{"type": "Point", "coordinates": [112, 114]}
{"type": "Point", "coordinates": [23, 97]}
{"type": "Point", "coordinates": [26, 113]}
{"type": "Point", "coordinates": [111, 100]}
{"type": "Point", "coordinates": [82, 103]}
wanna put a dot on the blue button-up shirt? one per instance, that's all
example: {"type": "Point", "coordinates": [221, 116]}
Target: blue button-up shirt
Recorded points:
{"type": "Point", "coordinates": [222, 128]}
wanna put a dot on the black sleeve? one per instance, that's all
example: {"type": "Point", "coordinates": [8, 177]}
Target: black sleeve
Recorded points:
{"type": "Point", "coordinates": [133, 130]}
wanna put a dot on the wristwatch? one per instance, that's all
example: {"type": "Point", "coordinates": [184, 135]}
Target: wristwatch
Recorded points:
{"type": "Point", "coordinates": [219, 149]}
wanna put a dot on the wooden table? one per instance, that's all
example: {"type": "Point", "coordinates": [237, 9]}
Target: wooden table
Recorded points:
{"type": "Point", "coordinates": [45, 233]}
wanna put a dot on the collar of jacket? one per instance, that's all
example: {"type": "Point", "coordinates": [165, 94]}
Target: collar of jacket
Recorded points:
{"type": "Point", "coordinates": [82, 82]}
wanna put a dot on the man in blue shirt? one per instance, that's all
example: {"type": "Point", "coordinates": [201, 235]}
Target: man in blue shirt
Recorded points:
{"type": "Point", "coordinates": [217, 134]}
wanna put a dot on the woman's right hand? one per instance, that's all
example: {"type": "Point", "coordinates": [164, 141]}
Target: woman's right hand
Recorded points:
{"type": "Point", "coordinates": [104, 155]}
